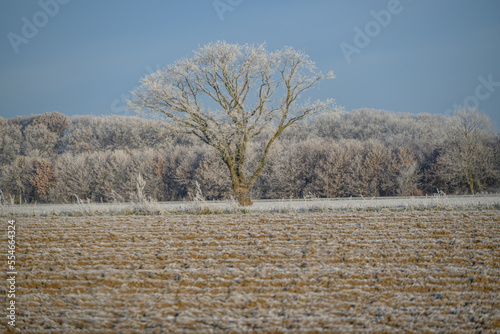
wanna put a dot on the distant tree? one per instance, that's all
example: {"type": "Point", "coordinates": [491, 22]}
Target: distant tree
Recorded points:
{"type": "Point", "coordinates": [211, 178]}
{"type": "Point", "coordinates": [15, 180]}
{"type": "Point", "coordinates": [290, 173]}
{"type": "Point", "coordinates": [405, 168]}
{"type": "Point", "coordinates": [42, 178]}
{"type": "Point", "coordinates": [39, 142]}
{"type": "Point", "coordinates": [372, 169]}
{"type": "Point", "coordinates": [54, 121]}
{"type": "Point", "coordinates": [80, 135]}
{"type": "Point", "coordinates": [332, 170]}
{"type": "Point", "coordinates": [227, 94]}
{"type": "Point", "coordinates": [11, 139]}
{"type": "Point", "coordinates": [469, 154]}
{"type": "Point", "coordinates": [74, 177]}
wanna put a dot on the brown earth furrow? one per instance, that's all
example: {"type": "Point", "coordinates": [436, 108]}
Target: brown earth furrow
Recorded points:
{"type": "Point", "coordinates": [428, 271]}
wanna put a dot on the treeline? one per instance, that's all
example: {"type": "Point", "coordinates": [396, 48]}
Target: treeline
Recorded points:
{"type": "Point", "coordinates": [51, 158]}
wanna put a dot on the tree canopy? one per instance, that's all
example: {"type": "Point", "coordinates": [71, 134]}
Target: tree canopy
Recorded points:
{"type": "Point", "coordinates": [229, 94]}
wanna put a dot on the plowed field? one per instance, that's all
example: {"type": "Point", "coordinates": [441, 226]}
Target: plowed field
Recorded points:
{"type": "Point", "coordinates": [429, 271]}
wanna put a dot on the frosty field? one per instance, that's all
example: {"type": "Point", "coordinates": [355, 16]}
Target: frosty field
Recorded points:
{"type": "Point", "coordinates": [380, 271]}
{"type": "Point", "coordinates": [298, 205]}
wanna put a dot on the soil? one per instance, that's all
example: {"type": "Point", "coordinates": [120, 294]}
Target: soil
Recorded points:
{"type": "Point", "coordinates": [427, 271]}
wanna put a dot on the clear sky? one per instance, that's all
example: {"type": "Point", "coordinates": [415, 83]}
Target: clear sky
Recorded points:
{"type": "Point", "coordinates": [84, 56]}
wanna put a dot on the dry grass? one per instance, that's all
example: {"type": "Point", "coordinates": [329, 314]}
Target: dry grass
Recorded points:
{"type": "Point", "coordinates": [429, 271]}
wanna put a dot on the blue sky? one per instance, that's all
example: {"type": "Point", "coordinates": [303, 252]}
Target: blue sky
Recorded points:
{"type": "Point", "coordinates": [83, 57]}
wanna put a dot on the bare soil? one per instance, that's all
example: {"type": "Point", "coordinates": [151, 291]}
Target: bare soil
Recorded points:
{"type": "Point", "coordinates": [428, 271]}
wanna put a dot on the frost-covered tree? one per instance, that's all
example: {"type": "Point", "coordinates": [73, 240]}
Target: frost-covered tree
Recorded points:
{"type": "Point", "coordinates": [54, 121]}
{"type": "Point", "coordinates": [43, 175]}
{"type": "Point", "coordinates": [39, 142]}
{"type": "Point", "coordinates": [331, 171]}
{"type": "Point", "coordinates": [15, 180]}
{"type": "Point", "coordinates": [11, 138]}
{"type": "Point", "coordinates": [405, 170]}
{"type": "Point", "coordinates": [469, 156]}
{"type": "Point", "coordinates": [227, 95]}
{"type": "Point", "coordinates": [210, 177]}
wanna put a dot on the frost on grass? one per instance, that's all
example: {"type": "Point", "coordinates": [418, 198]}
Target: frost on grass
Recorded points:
{"type": "Point", "coordinates": [199, 205]}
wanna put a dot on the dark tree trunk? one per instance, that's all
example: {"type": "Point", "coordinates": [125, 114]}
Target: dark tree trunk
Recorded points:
{"type": "Point", "coordinates": [242, 196]}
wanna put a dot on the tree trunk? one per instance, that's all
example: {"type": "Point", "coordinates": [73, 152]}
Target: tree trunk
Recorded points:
{"type": "Point", "coordinates": [242, 196]}
{"type": "Point", "coordinates": [471, 186]}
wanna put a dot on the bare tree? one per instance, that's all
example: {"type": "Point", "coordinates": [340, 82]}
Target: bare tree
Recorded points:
{"type": "Point", "coordinates": [209, 177]}
{"type": "Point", "coordinates": [54, 121]}
{"type": "Point", "coordinates": [227, 94]}
{"type": "Point", "coordinates": [403, 172]}
{"type": "Point", "coordinates": [332, 170]}
{"type": "Point", "coordinates": [42, 178]}
{"type": "Point", "coordinates": [39, 142]}
{"type": "Point", "coordinates": [469, 157]}
{"type": "Point", "coordinates": [15, 179]}
{"type": "Point", "coordinates": [10, 142]}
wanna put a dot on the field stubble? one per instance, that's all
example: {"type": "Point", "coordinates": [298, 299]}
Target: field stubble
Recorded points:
{"type": "Point", "coordinates": [308, 272]}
